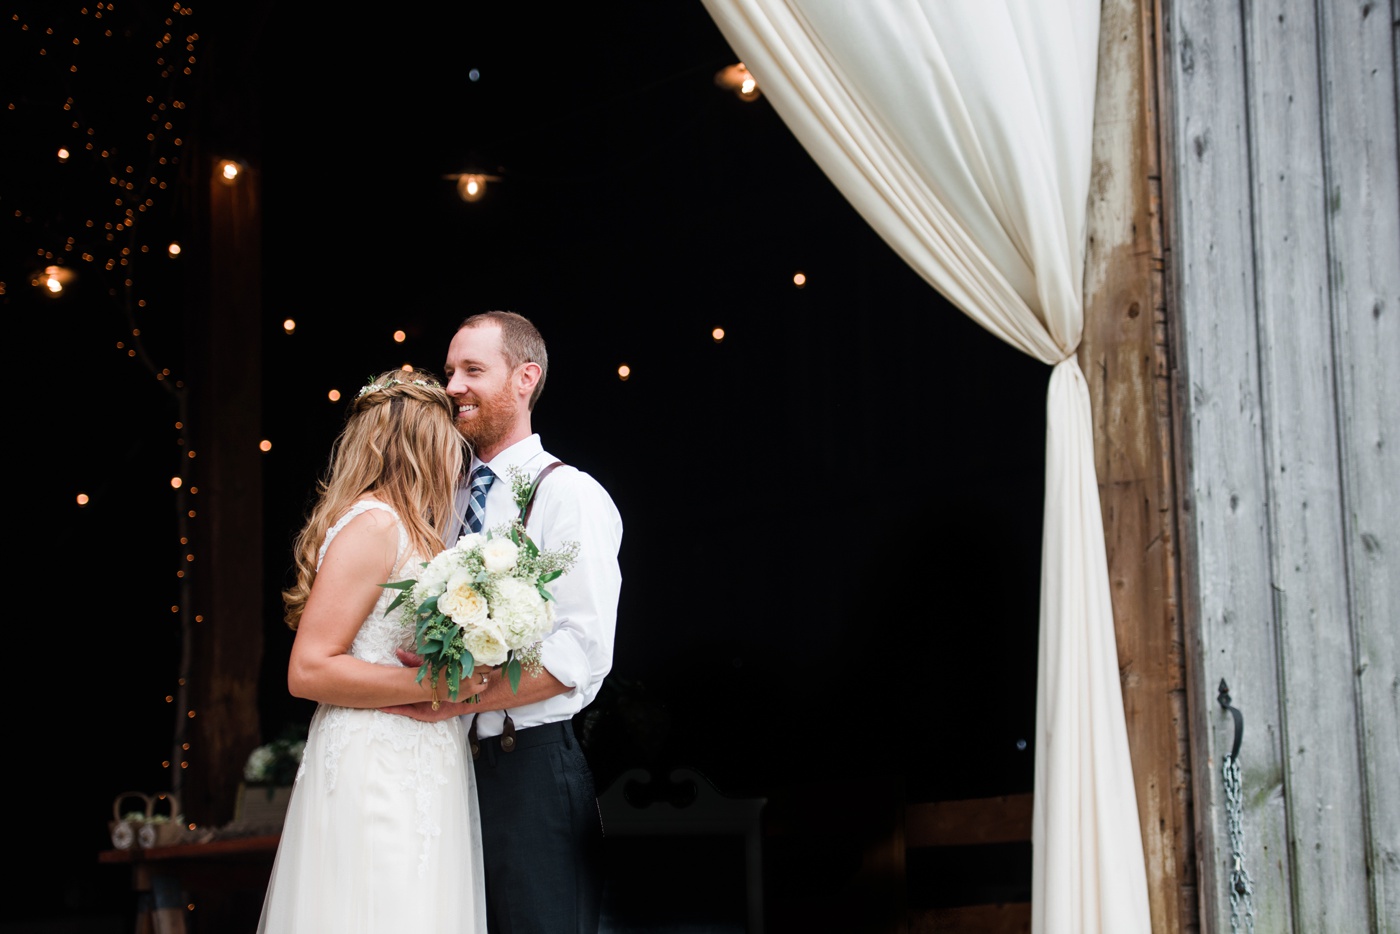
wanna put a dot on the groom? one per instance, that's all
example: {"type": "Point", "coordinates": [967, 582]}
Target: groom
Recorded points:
{"type": "Point", "coordinates": [541, 829]}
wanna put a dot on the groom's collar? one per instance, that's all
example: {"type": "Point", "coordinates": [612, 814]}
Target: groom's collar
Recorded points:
{"type": "Point", "coordinates": [517, 455]}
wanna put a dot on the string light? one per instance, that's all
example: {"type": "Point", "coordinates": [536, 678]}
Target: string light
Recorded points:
{"type": "Point", "coordinates": [289, 326]}
{"type": "Point", "coordinates": [624, 372]}
{"type": "Point", "coordinates": [333, 395]}
{"type": "Point", "coordinates": [264, 445]}
{"type": "Point", "coordinates": [400, 337]}
{"type": "Point", "coordinates": [717, 334]}
{"type": "Point", "coordinates": [738, 79]}
{"type": "Point", "coordinates": [137, 160]}
{"type": "Point", "coordinates": [799, 279]}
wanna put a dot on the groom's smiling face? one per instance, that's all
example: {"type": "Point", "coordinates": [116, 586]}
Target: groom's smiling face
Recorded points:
{"type": "Point", "coordinates": [479, 381]}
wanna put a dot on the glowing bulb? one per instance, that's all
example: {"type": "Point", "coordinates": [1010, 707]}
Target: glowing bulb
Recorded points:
{"type": "Point", "coordinates": [717, 334]}
{"type": "Point", "coordinates": [264, 445]}
{"type": "Point", "coordinates": [173, 249]}
{"type": "Point", "coordinates": [63, 155]}
{"type": "Point", "coordinates": [333, 395]}
{"type": "Point", "coordinates": [228, 171]}
{"type": "Point", "coordinates": [471, 187]}
{"type": "Point", "coordinates": [623, 372]}
{"type": "Point", "coordinates": [799, 279]}
{"type": "Point", "coordinates": [53, 285]}
{"type": "Point", "coordinates": [289, 325]}
{"type": "Point", "coordinates": [400, 337]}
{"type": "Point", "coordinates": [176, 483]}
{"type": "Point", "coordinates": [82, 499]}
{"type": "Point", "coordinates": [737, 78]}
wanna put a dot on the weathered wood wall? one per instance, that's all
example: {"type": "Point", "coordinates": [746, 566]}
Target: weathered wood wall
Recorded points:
{"type": "Point", "coordinates": [1124, 355]}
{"type": "Point", "coordinates": [1284, 255]}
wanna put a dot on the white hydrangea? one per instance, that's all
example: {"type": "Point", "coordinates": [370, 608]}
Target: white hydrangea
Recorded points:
{"type": "Point", "coordinates": [469, 541]}
{"type": "Point", "coordinates": [520, 611]}
{"type": "Point", "coordinates": [433, 578]}
{"type": "Point", "coordinates": [258, 768]}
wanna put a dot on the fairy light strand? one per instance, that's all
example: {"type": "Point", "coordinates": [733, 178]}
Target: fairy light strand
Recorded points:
{"type": "Point", "coordinates": [125, 163]}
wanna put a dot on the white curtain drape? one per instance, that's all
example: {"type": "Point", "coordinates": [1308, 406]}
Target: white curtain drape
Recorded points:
{"type": "Point", "coordinates": [961, 130]}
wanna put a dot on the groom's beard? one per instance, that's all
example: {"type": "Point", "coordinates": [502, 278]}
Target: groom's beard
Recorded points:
{"type": "Point", "coordinates": [494, 418]}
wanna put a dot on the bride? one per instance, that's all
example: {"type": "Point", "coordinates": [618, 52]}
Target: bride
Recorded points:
{"type": "Point", "coordinates": [382, 831]}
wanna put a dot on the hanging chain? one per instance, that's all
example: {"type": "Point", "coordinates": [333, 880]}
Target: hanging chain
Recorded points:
{"type": "Point", "coordinates": [1241, 886]}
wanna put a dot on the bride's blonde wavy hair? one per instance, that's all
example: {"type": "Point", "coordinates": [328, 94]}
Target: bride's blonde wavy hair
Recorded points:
{"type": "Point", "coordinates": [400, 442]}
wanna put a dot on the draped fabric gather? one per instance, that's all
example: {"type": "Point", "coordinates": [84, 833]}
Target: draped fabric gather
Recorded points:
{"type": "Point", "coordinates": [961, 131]}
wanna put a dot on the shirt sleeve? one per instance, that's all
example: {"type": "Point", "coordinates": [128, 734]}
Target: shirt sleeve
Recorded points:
{"type": "Point", "coordinates": [571, 506]}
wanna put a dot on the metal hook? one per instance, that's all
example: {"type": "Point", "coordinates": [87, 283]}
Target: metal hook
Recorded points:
{"type": "Point", "coordinates": [1224, 698]}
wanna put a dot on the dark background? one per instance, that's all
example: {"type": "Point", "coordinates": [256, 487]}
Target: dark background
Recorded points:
{"type": "Point", "coordinates": [832, 518]}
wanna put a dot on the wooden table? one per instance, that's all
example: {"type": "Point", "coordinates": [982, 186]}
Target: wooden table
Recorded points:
{"type": "Point", "coordinates": [214, 878]}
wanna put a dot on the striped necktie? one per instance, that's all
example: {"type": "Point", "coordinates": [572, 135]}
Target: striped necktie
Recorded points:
{"type": "Point", "coordinates": [482, 478]}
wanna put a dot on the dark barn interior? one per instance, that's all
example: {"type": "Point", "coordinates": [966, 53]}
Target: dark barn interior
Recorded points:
{"type": "Point", "coordinates": [832, 514]}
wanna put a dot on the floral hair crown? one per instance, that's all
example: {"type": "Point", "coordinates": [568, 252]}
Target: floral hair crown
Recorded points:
{"type": "Point", "coordinates": [373, 386]}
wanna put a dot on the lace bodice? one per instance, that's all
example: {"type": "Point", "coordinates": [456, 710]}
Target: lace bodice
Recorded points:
{"type": "Point", "coordinates": [382, 632]}
{"type": "Point", "coordinates": [429, 753]}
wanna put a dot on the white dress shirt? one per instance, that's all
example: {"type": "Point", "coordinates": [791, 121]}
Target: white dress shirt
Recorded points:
{"type": "Point", "coordinates": [570, 506]}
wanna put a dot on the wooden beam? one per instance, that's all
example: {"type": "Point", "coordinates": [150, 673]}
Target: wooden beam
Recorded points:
{"type": "Point", "coordinates": [1012, 918]}
{"type": "Point", "coordinates": [1124, 357]}
{"type": "Point", "coordinates": [226, 537]}
{"type": "Point", "coordinates": [1003, 819]}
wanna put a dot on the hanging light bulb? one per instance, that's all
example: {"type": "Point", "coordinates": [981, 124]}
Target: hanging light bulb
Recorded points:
{"type": "Point", "coordinates": [228, 171]}
{"type": "Point", "coordinates": [471, 187]}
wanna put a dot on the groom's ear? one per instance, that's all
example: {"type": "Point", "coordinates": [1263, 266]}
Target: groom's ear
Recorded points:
{"type": "Point", "coordinates": [527, 377]}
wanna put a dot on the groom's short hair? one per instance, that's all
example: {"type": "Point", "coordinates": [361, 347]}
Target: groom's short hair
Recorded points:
{"type": "Point", "coordinates": [520, 343]}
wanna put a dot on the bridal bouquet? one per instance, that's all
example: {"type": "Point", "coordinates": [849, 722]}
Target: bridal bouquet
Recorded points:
{"type": "Point", "coordinates": [484, 602]}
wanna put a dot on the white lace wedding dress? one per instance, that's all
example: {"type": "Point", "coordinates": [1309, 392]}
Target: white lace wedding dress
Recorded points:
{"type": "Point", "coordinates": [382, 832]}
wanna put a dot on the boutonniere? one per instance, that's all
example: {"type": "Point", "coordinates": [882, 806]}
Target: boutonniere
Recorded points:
{"type": "Point", "coordinates": [522, 488]}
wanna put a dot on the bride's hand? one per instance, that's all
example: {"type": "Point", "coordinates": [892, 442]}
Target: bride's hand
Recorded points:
{"type": "Point", "coordinates": [424, 710]}
{"type": "Point", "coordinates": [481, 677]}
{"type": "Point", "coordinates": [477, 682]}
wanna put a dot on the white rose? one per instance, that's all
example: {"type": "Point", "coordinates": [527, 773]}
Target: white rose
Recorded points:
{"type": "Point", "coordinates": [520, 611]}
{"type": "Point", "coordinates": [499, 555]}
{"type": "Point", "coordinates": [486, 642]}
{"type": "Point", "coordinates": [462, 601]}
{"type": "Point", "coordinates": [470, 540]}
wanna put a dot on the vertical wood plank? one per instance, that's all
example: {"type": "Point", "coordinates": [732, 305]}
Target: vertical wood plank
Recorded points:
{"type": "Point", "coordinates": [1124, 359]}
{"type": "Point", "coordinates": [1322, 759]}
{"type": "Point", "coordinates": [228, 639]}
{"type": "Point", "coordinates": [1225, 556]}
{"type": "Point", "coordinates": [1363, 217]}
